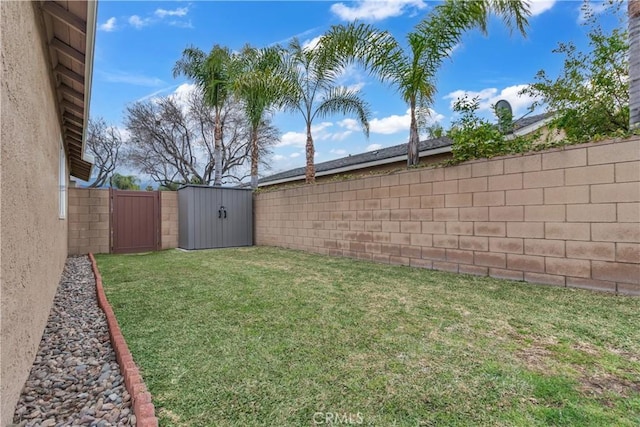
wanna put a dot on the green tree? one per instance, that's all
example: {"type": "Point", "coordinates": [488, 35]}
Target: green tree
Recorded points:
{"type": "Point", "coordinates": [413, 71]}
{"type": "Point", "coordinates": [259, 86]}
{"type": "Point", "coordinates": [634, 63]}
{"type": "Point", "coordinates": [590, 97]}
{"type": "Point", "coordinates": [124, 182]}
{"type": "Point", "coordinates": [474, 137]}
{"type": "Point", "coordinates": [311, 88]}
{"type": "Point", "coordinates": [213, 74]}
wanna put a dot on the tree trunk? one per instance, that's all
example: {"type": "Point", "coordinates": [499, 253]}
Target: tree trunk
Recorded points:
{"type": "Point", "coordinates": [217, 151]}
{"type": "Point", "coordinates": [414, 139]}
{"type": "Point", "coordinates": [310, 174]}
{"type": "Point", "coordinates": [255, 157]}
{"type": "Point", "coordinates": [634, 64]}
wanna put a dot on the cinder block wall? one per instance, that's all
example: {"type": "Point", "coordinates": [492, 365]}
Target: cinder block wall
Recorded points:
{"type": "Point", "coordinates": [88, 221]}
{"type": "Point", "coordinates": [169, 220]}
{"type": "Point", "coordinates": [565, 217]}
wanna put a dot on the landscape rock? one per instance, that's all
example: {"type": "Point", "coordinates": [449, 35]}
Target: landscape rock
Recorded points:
{"type": "Point", "coordinates": [75, 363]}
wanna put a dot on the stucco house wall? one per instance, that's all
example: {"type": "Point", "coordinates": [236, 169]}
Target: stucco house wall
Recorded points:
{"type": "Point", "coordinates": [33, 239]}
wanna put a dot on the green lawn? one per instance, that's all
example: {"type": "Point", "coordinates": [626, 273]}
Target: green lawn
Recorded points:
{"type": "Point", "coordinates": [263, 336]}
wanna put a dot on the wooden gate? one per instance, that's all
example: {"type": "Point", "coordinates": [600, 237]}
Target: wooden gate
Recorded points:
{"type": "Point", "coordinates": [135, 221]}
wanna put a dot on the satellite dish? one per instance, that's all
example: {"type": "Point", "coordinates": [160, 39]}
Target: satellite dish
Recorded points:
{"type": "Point", "coordinates": [503, 105]}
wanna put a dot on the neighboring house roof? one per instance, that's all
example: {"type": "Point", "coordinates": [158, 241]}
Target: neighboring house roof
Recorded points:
{"type": "Point", "coordinates": [526, 125]}
{"type": "Point", "coordinates": [359, 161]}
{"type": "Point", "coordinates": [71, 28]}
{"type": "Point", "coordinates": [393, 154]}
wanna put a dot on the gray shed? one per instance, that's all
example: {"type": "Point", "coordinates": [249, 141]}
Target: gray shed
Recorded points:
{"type": "Point", "coordinates": [214, 217]}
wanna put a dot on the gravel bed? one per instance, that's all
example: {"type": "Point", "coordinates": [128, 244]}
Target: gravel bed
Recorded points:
{"type": "Point", "coordinates": [75, 379]}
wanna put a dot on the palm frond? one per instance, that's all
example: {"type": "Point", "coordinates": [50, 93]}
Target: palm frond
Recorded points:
{"type": "Point", "coordinates": [376, 50]}
{"type": "Point", "coordinates": [341, 100]}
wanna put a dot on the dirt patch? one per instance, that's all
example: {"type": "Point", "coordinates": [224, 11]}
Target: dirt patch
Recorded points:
{"type": "Point", "coordinates": [536, 355]}
{"type": "Point", "coordinates": [586, 348]}
{"type": "Point", "coordinates": [536, 358]}
{"type": "Point", "coordinates": [175, 418]}
{"type": "Point", "coordinates": [632, 357]}
{"type": "Point", "coordinates": [598, 384]}
{"type": "Point", "coordinates": [539, 358]}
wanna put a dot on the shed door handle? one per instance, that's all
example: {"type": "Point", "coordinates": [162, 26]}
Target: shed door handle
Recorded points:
{"type": "Point", "coordinates": [225, 214]}
{"type": "Point", "coordinates": [219, 213]}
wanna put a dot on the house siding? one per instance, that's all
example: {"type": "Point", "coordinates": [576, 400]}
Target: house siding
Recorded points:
{"type": "Point", "coordinates": [33, 238]}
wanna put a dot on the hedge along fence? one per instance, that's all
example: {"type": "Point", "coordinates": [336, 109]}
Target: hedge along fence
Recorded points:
{"type": "Point", "coordinates": [565, 217]}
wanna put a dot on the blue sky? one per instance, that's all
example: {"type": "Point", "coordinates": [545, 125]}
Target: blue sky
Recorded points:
{"type": "Point", "coordinates": [138, 42]}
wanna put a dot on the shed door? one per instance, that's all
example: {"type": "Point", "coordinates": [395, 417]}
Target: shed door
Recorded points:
{"type": "Point", "coordinates": [237, 223]}
{"type": "Point", "coordinates": [208, 219]}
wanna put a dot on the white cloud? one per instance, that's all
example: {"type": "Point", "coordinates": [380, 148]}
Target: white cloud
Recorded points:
{"type": "Point", "coordinates": [124, 133]}
{"type": "Point", "coordinates": [181, 11]}
{"type": "Point", "coordinates": [138, 22]}
{"type": "Point", "coordinates": [390, 124]}
{"type": "Point", "coordinates": [339, 136]}
{"type": "Point", "coordinates": [183, 93]}
{"type": "Point", "coordinates": [299, 139]}
{"type": "Point", "coordinates": [277, 157]}
{"type": "Point", "coordinates": [372, 147]}
{"type": "Point", "coordinates": [489, 96]}
{"type": "Point", "coordinates": [312, 43]}
{"type": "Point", "coordinates": [338, 151]}
{"type": "Point", "coordinates": [294, 155]}
{"type": "Point", "coordinates": [356, 86]}
{"type": "Point", "coordinates": [156, 93]}
{"type": "Point", "coordinates": [538, 7]}
{"type": "Point", "coordinates": [394, 123]}
{"type": "Point", "coordinates": [305, 33]}
{"type": "Point", "coordinates": [181, 24]}
{"type": "Point", "coordinates": [351, 124]}
{"type": "Point", "coordinates": [109, 25]}
{"type": "Point", "coordinates": [293, 139]}
{"type": "Point", "coordinates": [352, 77]}
{"type": "Point", "coordinates": [170, 17]}
{"type": "Point", "coordinates": [376, 10]}
{"type": "Point", "coordinates": [129, 78]}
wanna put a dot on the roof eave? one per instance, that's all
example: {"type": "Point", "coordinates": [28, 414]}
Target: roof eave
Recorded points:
{"type": "Point", "coordinates": [525, 130]}
{"type": "Point", "coordinates": [71, 62]}
{"type": "Point", "coordinates": [92, 12]}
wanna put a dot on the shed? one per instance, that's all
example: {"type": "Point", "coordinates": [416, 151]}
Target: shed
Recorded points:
{"type": "Point", "coordinates": [214, 217]}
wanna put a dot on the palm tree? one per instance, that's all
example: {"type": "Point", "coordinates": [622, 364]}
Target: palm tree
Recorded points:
{"type": "Point", "coordinates": [413, 71]}
{"type": "Point", "coordinates": [634, 64]}
{"type": "Point", "coordinates": [212, 74]}
{"type": "Point", "coordinates": [311, 88]}
{"type": "Point", "coordinates": [259, 87]}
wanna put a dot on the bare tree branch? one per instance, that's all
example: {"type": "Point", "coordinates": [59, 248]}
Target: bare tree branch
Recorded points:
{"type": "Point", "coordinates": [103, 143]}
{"type": "Point", "coordinates": [172, 140]}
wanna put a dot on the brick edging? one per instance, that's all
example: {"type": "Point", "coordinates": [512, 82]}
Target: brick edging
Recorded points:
{"type": "Point", "coordinates": [143, 408]}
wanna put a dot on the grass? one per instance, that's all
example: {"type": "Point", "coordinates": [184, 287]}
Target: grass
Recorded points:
{"type": "Point", "coordinates": [266, 337]}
